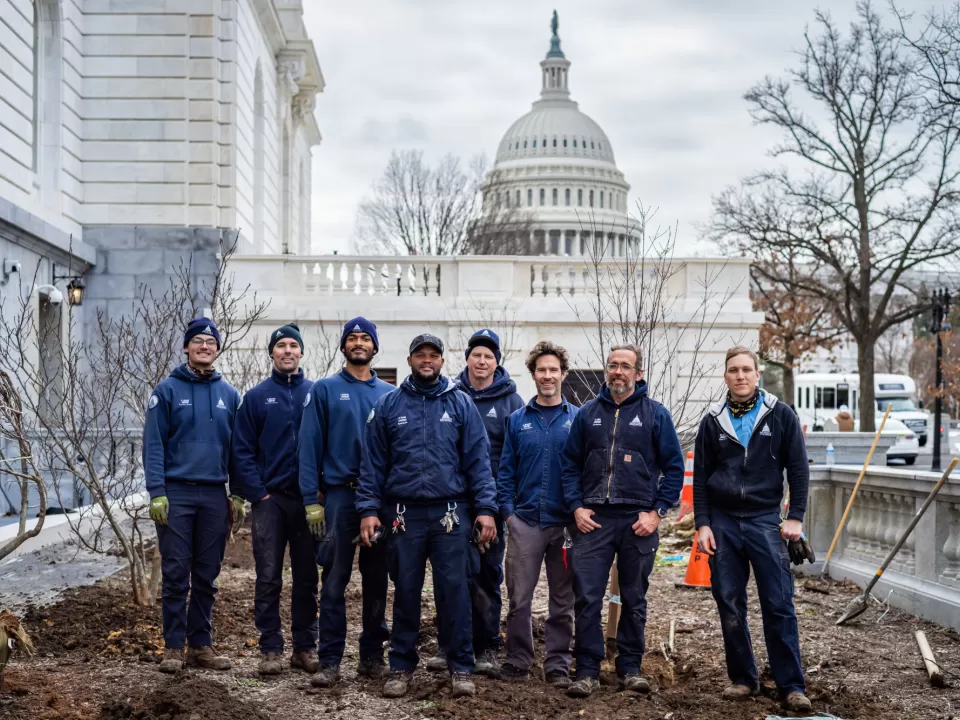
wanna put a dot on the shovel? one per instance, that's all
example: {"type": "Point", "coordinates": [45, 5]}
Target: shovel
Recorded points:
{"type": "Point", "coordinates": [859, 604]}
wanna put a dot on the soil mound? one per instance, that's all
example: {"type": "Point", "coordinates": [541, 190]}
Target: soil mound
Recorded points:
{"type": "Point", "coordinates": [193, 699]}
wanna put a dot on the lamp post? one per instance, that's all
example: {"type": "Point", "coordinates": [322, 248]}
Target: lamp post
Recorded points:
{"type": "Point", "coordinates": [941, 310]}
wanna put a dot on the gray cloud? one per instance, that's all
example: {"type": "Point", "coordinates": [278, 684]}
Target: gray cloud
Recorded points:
{"type": "Point", "coordinates": [665, 79]}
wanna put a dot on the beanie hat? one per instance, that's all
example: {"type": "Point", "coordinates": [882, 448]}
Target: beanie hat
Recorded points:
{"type": "Point", "coordinates": [360, 325]}
{"type": "Point", "coordinates": [485, 338]}
{"type": "Point", "coordinates": [201, 326]}
{"type": "Point", "coordinates": [290, 330]}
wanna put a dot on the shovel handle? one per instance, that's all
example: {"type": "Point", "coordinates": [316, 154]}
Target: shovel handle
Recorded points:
{"type": "Point", "coordinates": [913, 523]}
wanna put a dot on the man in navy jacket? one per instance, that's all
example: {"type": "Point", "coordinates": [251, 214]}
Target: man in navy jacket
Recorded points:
{"type": "Point", "coordinates": [531, 499]}
{"type": "Point", "coordinates": [331, 437]}
{"type": "Point", "coordinates": [744, 445]}
{"type": "Point", "coordinates": [426, 473]}
{"type": "Point", "coordinates": [489, 385]}
{"type": "Point", "coordinates": [619, 446]}
{"type": "Point", "coordinates": [264, 473]}
{"type": "Point", "coordinates": [186, 451]}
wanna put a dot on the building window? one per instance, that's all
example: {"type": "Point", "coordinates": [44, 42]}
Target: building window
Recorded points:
{"type": "Point", "coordinates": [601, 198]}
{"type": "Point", "coordinates": [566, 197]}
{"type": "Point", "coordinates": [554, 197]}
{"type": "Point", "coordinates": [544, 140]}
{"type": "Point", "coordinates": [591, 145]}
{"type": "Point", "coordinates": [564, 142]}
{"type": "Point", "coordinates": [591, 198]}
{"type": "Point", "coordinates": [534, 142]}
{"type": "Point", "coordinates": [543, 196]}
{"type": "Point", "coordinates": [518, 198]}
{"type": "Point", "coordinates": [574, 142]}
{"type": "Point", "coordinates": [579, 197]}
{"type": "Point", "coordinates": [529, 197]}
{"type": "Point", "coordinates": [524, 144]}
{"type": "Point", "coordinates": [600, 146]}
{"type": "Point", "coordinates": [554, 142]}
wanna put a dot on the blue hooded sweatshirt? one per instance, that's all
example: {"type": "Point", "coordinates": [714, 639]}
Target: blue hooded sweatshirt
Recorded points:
{"type": "Point", "coordinates": [615, 455]}
{"type": "Point", "coordinates": [331, 434]}
{"type": "Point", "coordinates": [264, 457]}
{"type": "Point", "coordinates": [426, 445]}
{"type": "Point", "coordinates": [529, 481]}
{"type": "Point", "coordinates": [188, 430]}
{"type": "Point", "coordinates": [496, 403]}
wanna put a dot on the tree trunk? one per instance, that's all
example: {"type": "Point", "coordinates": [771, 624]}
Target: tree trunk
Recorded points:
{"type": "Point", "coordinates": [868, 401]}
{"type": "Point", "coordinates": [788, 385]}
{"type": "Point", "coordinates": [155, 572]}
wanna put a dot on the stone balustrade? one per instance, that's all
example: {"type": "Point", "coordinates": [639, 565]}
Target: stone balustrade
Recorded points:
{"type": "Point", "coordinates": [924, 577]}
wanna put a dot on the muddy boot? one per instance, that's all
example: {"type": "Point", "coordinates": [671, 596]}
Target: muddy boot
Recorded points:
{"type": "Point", "coordinates": [305, 660]}
{"type": "Point", "coordinates": [583, 687]}
{"type": "Point", "coordinates": [327, 676]}
{"type": "Point", "coordinates": [172, 660]}
{"type": "Point", "coordinates": [797, 702]}
{"type": "Point", "coordinates": [738, 692]}
{"type": "Point", "coordinates": [270, 664]}
{"type": "Point", "coordinates": [438, 663]}
{"type": "Point", "coordinates": [371, 668]}
{"type": "Point", "coordinates": [486, 664]}
{"type": "Point", "coordinates": [509, 671]}
{"type": "Point", "coordinates": [634, 683]}
{"type": "Point", "coordinates": [205, 657]}
{"type": "Point", "coordinates": [462, 685]}
{"type": "Point", "coordinates": [398, 684]}
{"type": "Point", "coordinates": [557, 678]}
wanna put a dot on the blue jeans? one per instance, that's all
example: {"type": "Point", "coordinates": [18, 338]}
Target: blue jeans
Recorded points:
{"type": "Point", "coordinates": [425, 538]}
{"type": "Point", "coordinates": [593, 555]}
{"type": "Point", "coordinates": [343, 525]}
{"type": "Point", "coordinates": [277, 522]}
{"type": "Point", "coordinates": [191, 550]}
{"type": "Point", "coordinates": [756, 541]}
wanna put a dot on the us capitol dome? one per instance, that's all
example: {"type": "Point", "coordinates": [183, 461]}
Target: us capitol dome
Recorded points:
{"type": "Point", "coordinates": [555, 165]}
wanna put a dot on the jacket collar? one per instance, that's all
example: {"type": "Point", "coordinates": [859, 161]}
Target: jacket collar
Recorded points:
{"type": "Point", "coordinates": [502, 384]}
{"type": "Point", "coordinates": [769, 401]}
{"type": "Point", "coordinates": [287, 378]}
{"type": "Point", "coordinates": [639, 392]}
{"type": "Point", "coordinates": [411, 387]}
{"type": "Point", "coordinates": [351, 379]}
{"type": "Point", "coordinates": [532, 405]}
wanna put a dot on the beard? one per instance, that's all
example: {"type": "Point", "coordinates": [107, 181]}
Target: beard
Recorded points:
{"type": "Point", "coordinates": [548, 392]}
{"type": "Point", "coordinates": [358, 359]}
{"type": "Point", "coordinates": [622, 388]}
{"type": "Point", "coordinates": [427, 376]}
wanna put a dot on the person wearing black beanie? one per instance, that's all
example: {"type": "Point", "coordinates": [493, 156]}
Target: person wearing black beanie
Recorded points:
{"type": "Point", "coordinates": [290, 330]}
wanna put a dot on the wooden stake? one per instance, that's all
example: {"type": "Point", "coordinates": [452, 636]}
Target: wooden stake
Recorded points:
{"type": "Point", "coordinates": [613, 609]}
{"type": "Point", "coordinates": [673, 630]}
{"type": "Point", "coordinates": [933, 670]}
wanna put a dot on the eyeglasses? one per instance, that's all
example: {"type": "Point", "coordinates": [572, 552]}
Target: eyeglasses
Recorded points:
{"type": "Point", "coordinates": [200, 342]}
{"type": "Point", "coordinates": [613, 367]}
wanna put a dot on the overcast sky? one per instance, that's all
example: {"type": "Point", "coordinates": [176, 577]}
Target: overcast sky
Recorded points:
{"type": "Point", "coordinates": [664, 78]}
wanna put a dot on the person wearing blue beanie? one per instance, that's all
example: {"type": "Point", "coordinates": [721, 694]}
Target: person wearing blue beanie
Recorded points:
{"type": "Point", "coordinates": [360, 325]}
{"type": "Point", "coordinates": [201, 326]}
{"type": "Point", "coordinates": [484, 337]}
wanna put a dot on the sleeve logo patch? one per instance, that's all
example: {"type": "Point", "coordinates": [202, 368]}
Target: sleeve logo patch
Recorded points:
{"type": "Point", "coordinates": [152, 402]}
{"type": "Point", "coordinates": [373, 411]}
{"type": "Point", "coordinates": [306, 400]}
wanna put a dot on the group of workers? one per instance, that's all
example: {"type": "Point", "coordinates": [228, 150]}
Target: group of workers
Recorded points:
{"type": "Point", "coordinates": [463, 473]}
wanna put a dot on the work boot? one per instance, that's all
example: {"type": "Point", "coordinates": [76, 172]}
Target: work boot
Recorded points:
{"type": "Point", "coordinates": [371, 668]}
{"type": "Point", "coordinates": [172, 660]}
{"type": "Point", "coordinates": [462, 685]}
{"type": "Point", "coordinates": [327, 676]}
{"type": "Point", "coordinates": [633, 682]}
{"type": "Point", "coordinates": [438, 663]}
{"type": "Point", "coordinates": [270, 664]}
{"type": "Point", "coordinates": [557, 678]}
{"type": "Point", "coordinates": [305, 660]}
{"type": "Point", "coordinates": [398, 683]}
{"type": "Point", "coordinates": [486, 664]}
{"type": "Point", "coordinates": [797, 702]}
{"type": "Point", "coordinates": [583, 687]}
{"type": "Point", "coordinates": [738, 692]}
{"type": "Point", "coordinates": [509, 671]}
{"type": "Point", "coordinates": [205, 657]}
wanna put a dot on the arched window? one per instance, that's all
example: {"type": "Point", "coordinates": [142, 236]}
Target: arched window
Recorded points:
{"type": "Point", "coordinates": [564, 142]}
{"type": "Point", "coordinates": [591, 145]}
{"type": "Point", "coordinates": [518, 198]}
{"type": "Point", "coordinates": [554, 197]}
{"type": "Point", "coordinates": [529, 197]}
{"type": "Point", "coordinates": [543, 196]}
{"type": "Point", "coordinates": [601, 198]}
{"type": "Point", "coordinates": [579, 197]}
{"type": "Point", "coordinates": [566, 197]}
{"type": "Point", "coordinates": [524, 144]}
{"type": "Point", "coordinates": [534, 142]}
{"type": "Point", "coordinates": [591, 198]}
{"type": "Point", "coordinates": [574, 142]}
{"type": "Point", "coordinates": [258, 159]}
{"type": "Point", "coordinates": [47, 100]}
{"type": "Point", "coordinates": [554, 142]}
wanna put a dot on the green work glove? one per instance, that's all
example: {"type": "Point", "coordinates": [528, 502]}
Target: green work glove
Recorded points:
{"type": "Point", "coordinates": [237, 508]}
{"type": "Point", "coordinates": [316, 519]}
{"type": "Point", "coordinates": [159, 509]}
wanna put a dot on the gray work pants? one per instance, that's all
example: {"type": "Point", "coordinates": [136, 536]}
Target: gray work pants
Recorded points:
{"type": "Point", "coordinates": [528, 546]}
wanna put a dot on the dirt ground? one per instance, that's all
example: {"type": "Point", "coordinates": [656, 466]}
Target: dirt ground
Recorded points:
{"type": "Point", "coordinates": [97, 658]}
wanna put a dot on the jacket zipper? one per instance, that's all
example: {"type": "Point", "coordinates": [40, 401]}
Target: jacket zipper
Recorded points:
{"type": "Point", "coordinates": [613, 448]}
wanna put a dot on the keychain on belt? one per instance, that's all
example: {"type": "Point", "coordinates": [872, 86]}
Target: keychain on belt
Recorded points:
{"type": "Point", "coordinates": [451, 518]}
{"type": "Point", "coordinates": [400, 525]}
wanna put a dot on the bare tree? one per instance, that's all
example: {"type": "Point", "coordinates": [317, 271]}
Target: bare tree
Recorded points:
{"type": "Point", "coordinates": [635, 297]}
{"type": "Point", "coordinates": [501, 317]}
{"type": "Point", "coordinates": [877, 194]}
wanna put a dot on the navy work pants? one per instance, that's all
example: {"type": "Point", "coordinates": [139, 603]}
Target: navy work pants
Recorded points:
{"type": "Point", "coordinates": [756, 541]}
{"type": "Point", "coordinates": [279, 521]}
{"type": "Point", "coordinates": [191, 548]}
{"type": "Point", "coordinates": [593, 555]}
{"type": "Point", "coordinates": [425, 538]}
{"type": "Point", "coordinates": [343, 525]}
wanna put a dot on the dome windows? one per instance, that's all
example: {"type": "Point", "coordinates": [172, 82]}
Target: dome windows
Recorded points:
{"type": "Point", "coordinates": [591, 145]}
{"type": "Point", "coordinates": [601, 198]}
{"type": "Point", "coordinates": [579, 197]}
{"type": "Point", "coordinates": [555, 193]}
{"type": "Point", "coordinates": [564, 142]}
{"type": "Point", "coordinates": [543, 196]}
{"type": "Point", "coordinates": [591, 198]}
{"type": "Point", "coordinates": [518, 198]}
{"type": "Point", "coordinates": [534, 142]}
{"type": "Point", "coordinates": [566, 197]}
{"type": "Point", "coordinates": [524, 144]}
{"type": "Point", "coordinates": [529, 197]}
{"type": "Point", "coordinates": [574, 142]}
{"type": "Point", "coordinates": [554, 142]}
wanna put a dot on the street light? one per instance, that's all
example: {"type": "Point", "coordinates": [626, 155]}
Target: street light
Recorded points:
{"type": "Point", "coordinates": [75, 288]}
{"type": "Point", "coordinates": [941, 311]}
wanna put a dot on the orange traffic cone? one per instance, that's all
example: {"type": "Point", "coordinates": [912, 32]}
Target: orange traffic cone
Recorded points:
{"type": "Point", "coordinates": [686, 496]}
{"type": "Point", "coordinates": [698, 568]}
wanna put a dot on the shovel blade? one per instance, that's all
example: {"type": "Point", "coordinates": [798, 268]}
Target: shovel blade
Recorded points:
{"type": "Point", "coordinates": [857, 607]}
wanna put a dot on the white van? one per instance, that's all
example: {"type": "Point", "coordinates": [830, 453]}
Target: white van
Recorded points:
{"type": "Point", "coordinates": [818, 396]}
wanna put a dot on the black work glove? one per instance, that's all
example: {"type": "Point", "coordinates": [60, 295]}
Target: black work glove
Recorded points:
{"type": "Point", "coordinates": [801, 550]}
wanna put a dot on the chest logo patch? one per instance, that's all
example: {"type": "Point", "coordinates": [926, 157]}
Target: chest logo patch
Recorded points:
{"type": "Point", "coordinates": [636, 422]}
{"type": "Point", "coordinates": [445, 417]}
{"type": "Point", "coordinates": [492, 413]}
{"type": "Point", "coordinates": [220, 404]}
{"type": "Point", "coordinates": [567, 424]}
{"type": "Point", "coordinates": [185, 401]}
{"type": "Point", "coordinates": [765, 430]}
{"type": "Point", "coordinates": [597, 422]}
{"type": "Point", "coordinates": [272, 401]}
{"type": "Point", "coordinates": [628, 458]}
{"type": "Point", "coordinates": [402, 420]}
{"type": "Point", "coordinates": [344, 396]}
{"type": "Point", "coordinates": [526, 426]}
